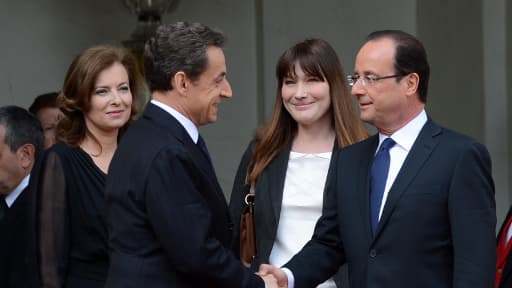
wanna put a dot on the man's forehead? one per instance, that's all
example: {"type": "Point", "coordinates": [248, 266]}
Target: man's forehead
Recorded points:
{"type": "Point", "coordinates": [378, 48]}
{"type": "Point", "coordinates": [376, 54]}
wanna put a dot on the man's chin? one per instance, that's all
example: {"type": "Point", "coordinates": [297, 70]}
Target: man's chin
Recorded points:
{"type": "Point", "coordinates": [212, 119]}
{"type": "Point", "coordinates": [365, 118]}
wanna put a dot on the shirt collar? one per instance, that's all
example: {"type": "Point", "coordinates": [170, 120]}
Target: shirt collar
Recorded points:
{"type": "Point", "coordinates": [405, 136]}
{"type": "Point", "coordinates": [184, 121]}
{"type": "Point", "coordinates": [9, 199]}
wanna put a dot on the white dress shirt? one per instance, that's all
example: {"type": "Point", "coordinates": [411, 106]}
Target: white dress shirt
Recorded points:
{"type": "Point", "coordinates": [404, 138]}
{"type": "Point", "coordinates": [189, 126]}
{"type": "Point", "coordinates": [301, 206]}
{"type": "Point", "coordinates": [11, 197]}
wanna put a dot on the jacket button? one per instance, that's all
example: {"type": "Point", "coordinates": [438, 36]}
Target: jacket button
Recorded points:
{"type": "Point", "coordinates": [373, 253]}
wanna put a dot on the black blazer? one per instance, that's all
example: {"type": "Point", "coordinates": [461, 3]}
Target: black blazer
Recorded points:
{"type": "Point", "coordinates": [14, 241]}
{"type": "Point", "coordinates": [168, 220]}
{"type": "Point", "coordinates": [268, 202]}
{"type": "Point", "coordinates": [506, 278]}
{"type": "Point", "coordinates": [437, 228]}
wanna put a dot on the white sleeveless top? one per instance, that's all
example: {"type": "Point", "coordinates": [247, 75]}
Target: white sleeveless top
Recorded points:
{"type": "Point", "coordinates": [301, 207]}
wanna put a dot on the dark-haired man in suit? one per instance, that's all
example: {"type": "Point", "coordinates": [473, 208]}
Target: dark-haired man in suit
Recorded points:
{"type": "Point", "coordinates": [412, 206]}
{"type": "Point", "coordinates": [168, 220]}
{"type": "Point", "coordinates": [21, 140]}
{"type": "Point", "coordinates": [45, 109]}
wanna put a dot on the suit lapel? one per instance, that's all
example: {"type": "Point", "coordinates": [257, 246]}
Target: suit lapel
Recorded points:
{"type": "Point", "coordinates": [276, 174]}
{"type": "Point", "coordinates": [200, 159]}
{"type": "Point", "coordinates": [173, 128]}
{"type": "Point", "coordinates": [269, 187]}
{"type": "Point", "coordinates": [420, 152]}
{"type": "Point", "coordinates": [364, 174]}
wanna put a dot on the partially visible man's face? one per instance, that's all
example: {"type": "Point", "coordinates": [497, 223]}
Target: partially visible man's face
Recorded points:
{"type": "Point", "coordinates": [382, 103]}
{"type": "Point", "coordinates": [49, 117]}
{"type": "Point", "coordinates": [11, 170]}
{"type": "Point", "coordinates": [207, 92]}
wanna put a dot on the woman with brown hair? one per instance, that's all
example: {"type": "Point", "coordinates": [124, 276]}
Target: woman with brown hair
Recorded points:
{"type": "Point", "coordinates": [288, 160]}
{"type": "Point", "coordinates": [99, 99]}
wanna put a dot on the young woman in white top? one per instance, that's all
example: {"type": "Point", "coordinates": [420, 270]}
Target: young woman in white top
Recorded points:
{"type": "Point", "coordinates": [288, 161]}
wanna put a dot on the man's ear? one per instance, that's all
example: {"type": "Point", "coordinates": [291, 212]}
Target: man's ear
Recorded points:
{"type": "Point", "coordinates": [26, 154]}
{"type": "Point", "coordinates": [180, 82]}
{"type": "Point", "coordinates": [412, 81]}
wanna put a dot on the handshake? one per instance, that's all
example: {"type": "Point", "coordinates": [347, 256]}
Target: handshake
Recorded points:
{"type": "Point", "coordinates": [273, 276]}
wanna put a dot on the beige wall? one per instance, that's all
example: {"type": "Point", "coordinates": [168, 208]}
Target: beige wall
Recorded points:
{"type": "Point", "coordinates": [454, 47]}
{"type": "Point", "coordinates": [40, 38]}
{"type": "Point", "coordinates": [497, 121]}
{"type": "Point", "coordinates": [508, 61]}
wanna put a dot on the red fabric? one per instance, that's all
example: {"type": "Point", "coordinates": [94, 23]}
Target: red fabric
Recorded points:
{"type": "Point", "coordinates": [503, 251]}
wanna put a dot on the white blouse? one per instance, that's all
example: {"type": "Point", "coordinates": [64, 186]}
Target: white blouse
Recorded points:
{"type": "Point", "coordinates": [301, 206]}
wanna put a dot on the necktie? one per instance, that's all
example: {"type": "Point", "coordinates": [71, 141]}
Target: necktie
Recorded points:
{"type": "Point", "coordinates": [202, 146]}
{"type": "Point", "coordinates": [3, 207]}
{"type": "Point", "coordinates": [380, 169]}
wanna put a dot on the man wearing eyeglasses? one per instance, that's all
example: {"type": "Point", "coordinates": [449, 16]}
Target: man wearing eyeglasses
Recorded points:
{"type": "Point", "coordinates": [412, 206]}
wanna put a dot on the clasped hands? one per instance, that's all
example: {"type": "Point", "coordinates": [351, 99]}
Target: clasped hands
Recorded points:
{"type": "Point", "coordinates": [273, 276]}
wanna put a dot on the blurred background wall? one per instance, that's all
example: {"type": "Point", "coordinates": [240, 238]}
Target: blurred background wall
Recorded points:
{"type": "Point", "coordinates": [468, 43]}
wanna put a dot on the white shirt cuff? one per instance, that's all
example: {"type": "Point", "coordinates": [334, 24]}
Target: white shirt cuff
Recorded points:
{"type": "Point", "coordinates": [289, 275]}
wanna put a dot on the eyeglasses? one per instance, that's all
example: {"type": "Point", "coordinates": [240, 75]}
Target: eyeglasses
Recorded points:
{"type": "Point", "coordinates": [368, 80]}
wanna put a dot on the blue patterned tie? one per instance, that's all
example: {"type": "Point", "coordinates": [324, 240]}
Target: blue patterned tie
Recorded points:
{"type": "Point", "coordinates": [380, 169]}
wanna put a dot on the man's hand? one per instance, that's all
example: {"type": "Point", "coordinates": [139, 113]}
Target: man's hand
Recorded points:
{"type": "Point", "coordinates": [278, 274]}
{"type": "Point", "coordinates": [270, 281]}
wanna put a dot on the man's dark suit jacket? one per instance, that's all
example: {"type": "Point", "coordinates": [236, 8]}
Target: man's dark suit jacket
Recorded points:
{"type": "Point", "coordinates": [506, 277]}
{"type": "Point", "coordinates": [437, 227]}
{"type": "Point", "coordinates": [269, 197]}
{"type": "Point", "coordinates": [168, 220]}
{"type": "Point", "coordinates": [15, 238]}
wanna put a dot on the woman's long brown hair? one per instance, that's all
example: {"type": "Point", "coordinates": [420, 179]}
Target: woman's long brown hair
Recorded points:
{"type": "Point", "coordinates": [317, 58]}
{"type": "Point", "coordinates": [75, 98]}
